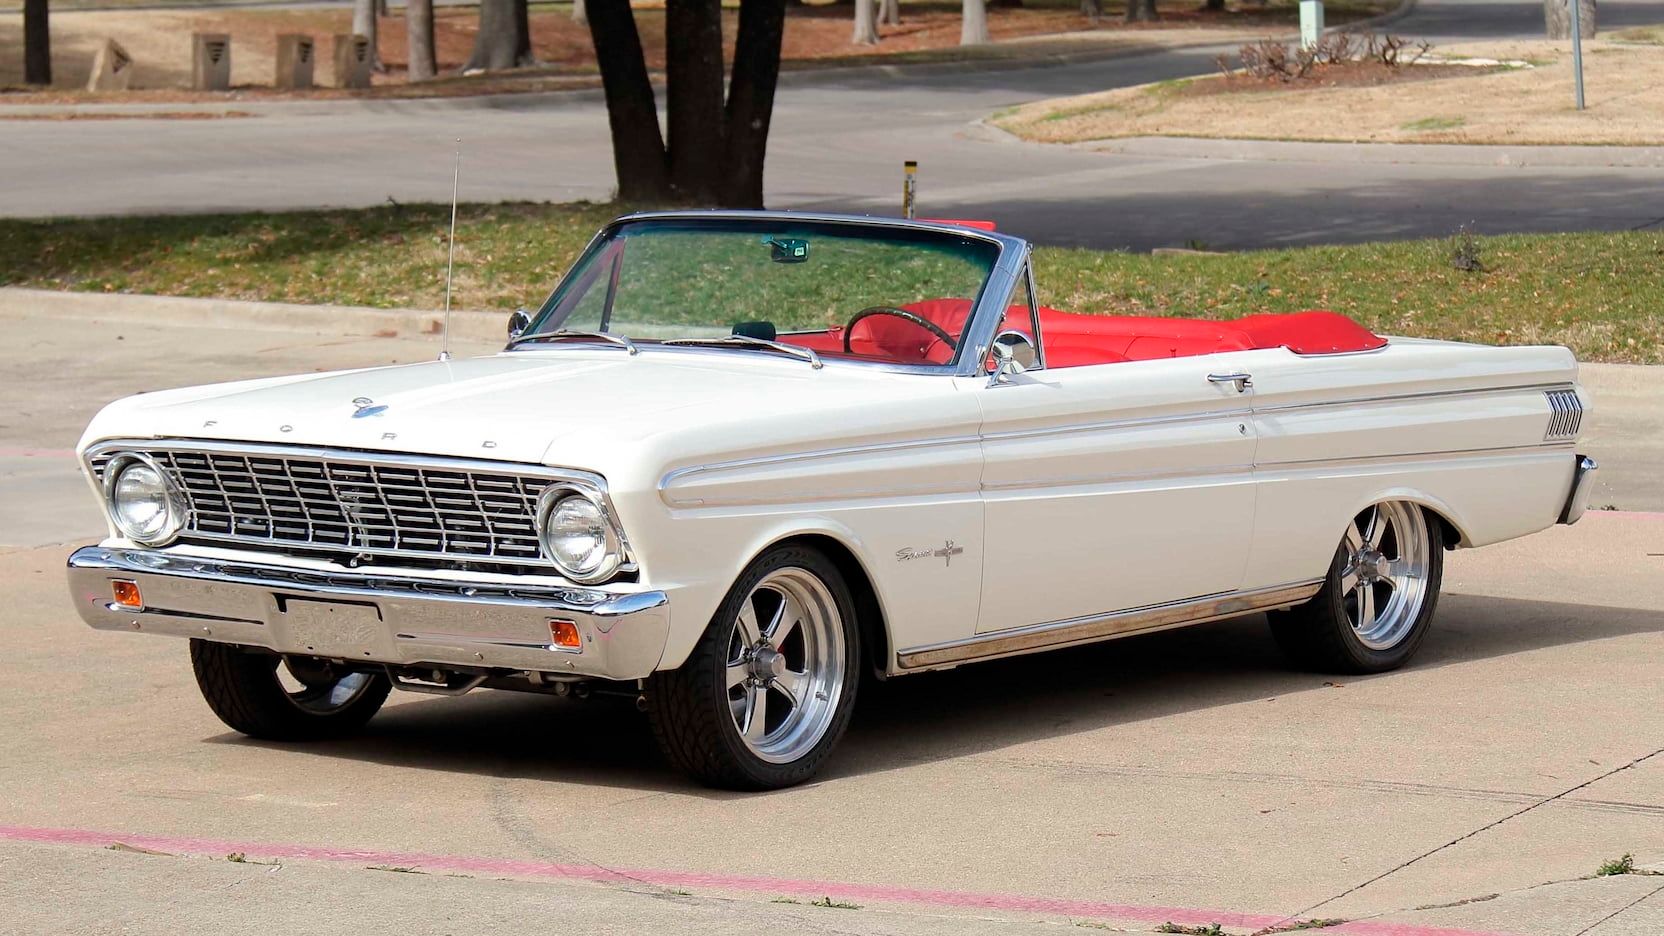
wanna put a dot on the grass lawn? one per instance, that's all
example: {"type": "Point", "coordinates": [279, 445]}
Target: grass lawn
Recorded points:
{"type": "Point", "coordinates": [1530, 103]}
{"type": "Point", "coordinates": [1598, 293]}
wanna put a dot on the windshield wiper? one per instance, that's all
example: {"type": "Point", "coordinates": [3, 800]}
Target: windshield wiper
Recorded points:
{"type": "Point", "coordinates": [619, 340]}
{"type": "Point", "coordinates": [746, 341]}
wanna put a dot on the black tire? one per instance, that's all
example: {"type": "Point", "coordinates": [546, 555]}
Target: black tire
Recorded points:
{"type": "Point", "coordinates": [1319, 635]}
{"type": "Point", "coordinates": [242, 688]}
{"type": "Point", "coordinates": [689, 706]}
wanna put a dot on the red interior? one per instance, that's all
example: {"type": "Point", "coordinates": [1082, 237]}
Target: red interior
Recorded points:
{"type": "Point", "coordinates": [1077, 340]}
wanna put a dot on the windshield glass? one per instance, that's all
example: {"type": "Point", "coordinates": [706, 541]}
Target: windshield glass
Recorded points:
{"type": "Point", "coordinates": [864, 292]}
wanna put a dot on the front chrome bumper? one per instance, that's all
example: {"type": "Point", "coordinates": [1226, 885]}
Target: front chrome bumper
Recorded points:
{"type": "Point", "coordinates": [377, 618]}
{"type": "Point", "coordinates": [1583, 483]}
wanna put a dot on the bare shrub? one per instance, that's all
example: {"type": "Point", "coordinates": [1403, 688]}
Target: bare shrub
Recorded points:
{"type": "Point", "coordinates": [1270, 60]}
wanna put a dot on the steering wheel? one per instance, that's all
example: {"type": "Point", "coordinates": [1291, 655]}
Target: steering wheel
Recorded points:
{"type": "Point", "coordinates": [914, 317]}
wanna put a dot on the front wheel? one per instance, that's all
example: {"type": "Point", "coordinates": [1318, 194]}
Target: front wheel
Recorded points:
{"type": "Point", "coordinates": [769, 688]}
{"type": "Point", "coordinates": [278, 698]}
{"type": "Point", "coordinates": [1378, 599]}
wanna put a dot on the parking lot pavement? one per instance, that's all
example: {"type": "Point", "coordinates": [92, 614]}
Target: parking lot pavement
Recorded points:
{"type": "Point", "coordinates": [1184, 776]}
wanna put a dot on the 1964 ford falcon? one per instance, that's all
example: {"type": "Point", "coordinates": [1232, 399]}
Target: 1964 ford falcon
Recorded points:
{"type": "Point", "coordinates": [739, 462]}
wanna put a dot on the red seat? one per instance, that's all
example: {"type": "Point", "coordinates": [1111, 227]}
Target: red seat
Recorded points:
{"type": "Point", "coordinates": [1074, 340]}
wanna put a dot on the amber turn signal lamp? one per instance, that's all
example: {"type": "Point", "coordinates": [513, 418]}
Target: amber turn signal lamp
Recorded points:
{"type": "Point", "coordinates": [563, 634]}
{"type": "Point", "coordinates": [126, 594]}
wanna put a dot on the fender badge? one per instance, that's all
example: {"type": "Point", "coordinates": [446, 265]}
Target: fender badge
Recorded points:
{"type": "Point", "coordinates": [948, 550]}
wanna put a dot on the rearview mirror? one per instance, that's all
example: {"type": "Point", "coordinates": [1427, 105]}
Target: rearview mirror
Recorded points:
{"type": "Point", "coordinates": [518, 323]}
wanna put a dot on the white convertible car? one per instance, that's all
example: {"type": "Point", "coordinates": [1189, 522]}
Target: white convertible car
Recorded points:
{"type": "Point", "coordinates": [740, 461]}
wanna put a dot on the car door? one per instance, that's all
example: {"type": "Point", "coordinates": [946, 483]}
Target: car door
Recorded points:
{"type": "Point", "coordinates": [1114, 486]}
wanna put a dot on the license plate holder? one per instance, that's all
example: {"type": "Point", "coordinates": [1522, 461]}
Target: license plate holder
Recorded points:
{"type": "Point", "coordinates": [339, 629]}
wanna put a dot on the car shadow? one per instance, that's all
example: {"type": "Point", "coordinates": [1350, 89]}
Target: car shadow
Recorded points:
{"type": "Point", "coordinates": [940, 716]}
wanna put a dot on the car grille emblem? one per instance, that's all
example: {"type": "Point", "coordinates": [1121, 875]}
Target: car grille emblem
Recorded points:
{"type": "Point", "coordinates": [367, 407]}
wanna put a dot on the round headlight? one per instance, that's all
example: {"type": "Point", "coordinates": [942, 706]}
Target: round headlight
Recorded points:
{"type": "Point", "coordinates": [578, 536]}
{"type": "Point", "coordinates": [141, 501]}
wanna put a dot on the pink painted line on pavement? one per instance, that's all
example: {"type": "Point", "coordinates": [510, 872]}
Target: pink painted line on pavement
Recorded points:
{"type": "Point", "coordinates": [883, 893]}
{"type": "Point", "coordinates": [36, 453]}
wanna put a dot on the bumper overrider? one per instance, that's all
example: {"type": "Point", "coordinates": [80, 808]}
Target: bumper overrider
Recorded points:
{"type": "Point", "coordinates": [371, 617]}
{"type": "Point", "coordinates": [1583, 484]}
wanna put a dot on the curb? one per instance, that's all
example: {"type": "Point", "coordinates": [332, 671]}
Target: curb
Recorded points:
{"type": "Point", "coordinates": [1430, 154]}
{"type": "Point", "coordinates": [466, 326]}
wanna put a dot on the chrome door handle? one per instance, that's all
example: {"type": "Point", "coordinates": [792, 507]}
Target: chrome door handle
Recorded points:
{"type": "Point", "coordinates": [1242, 381]}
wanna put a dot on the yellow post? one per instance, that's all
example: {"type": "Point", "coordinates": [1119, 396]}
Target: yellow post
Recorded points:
{"type": "Point", "coordinates": [908, 191]}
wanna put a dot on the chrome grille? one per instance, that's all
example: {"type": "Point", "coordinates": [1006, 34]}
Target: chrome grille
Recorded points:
{"type": "Point", "coordinates": [1565, 415]}
{"type": "Point", "coordinates": [389, 506]}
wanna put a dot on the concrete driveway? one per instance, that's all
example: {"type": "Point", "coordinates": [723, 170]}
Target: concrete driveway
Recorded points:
{"type": "Point", "coordinates": [1186, 777]}
{"type": "Point", "coordinates": [838, 141]}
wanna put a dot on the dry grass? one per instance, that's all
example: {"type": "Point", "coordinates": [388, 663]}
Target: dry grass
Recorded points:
{"type": "Point", "coordinates": [159, 41]}
{"type": "Point", "coordinates": [1625, 82]}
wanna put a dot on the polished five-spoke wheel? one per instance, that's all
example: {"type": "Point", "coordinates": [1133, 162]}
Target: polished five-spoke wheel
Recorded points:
{"type": "Point", "coordinates": [1378, 599]}
{"type": "Point", "coordinates": [1384, 577]}
{"type": "Point", "coordinates": [785, 668]}
{"type": "Point", "coordinates": [768, 690]}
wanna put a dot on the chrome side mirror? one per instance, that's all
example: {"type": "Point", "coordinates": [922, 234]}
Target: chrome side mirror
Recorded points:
{"type": "Point", "coordinates": [518, 323]}
{"type": "Point", "coordinates": [1013, 354]}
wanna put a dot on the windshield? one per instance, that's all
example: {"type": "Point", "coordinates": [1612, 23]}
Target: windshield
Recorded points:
{"type": "Point", "coordinates": [866, 292]}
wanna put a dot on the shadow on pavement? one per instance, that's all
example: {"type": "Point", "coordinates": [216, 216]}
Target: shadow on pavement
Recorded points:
{"type": "Point", "coordinates": [940, 716]}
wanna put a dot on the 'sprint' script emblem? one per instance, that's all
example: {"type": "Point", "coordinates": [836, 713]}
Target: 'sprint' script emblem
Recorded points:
{"type": "Point", "coordinates": [945, 552]}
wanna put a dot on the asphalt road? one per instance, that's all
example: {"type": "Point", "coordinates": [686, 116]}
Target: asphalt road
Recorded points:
{"type": "Point", "coordinates": [1187, 776]}
{"type": "Point", "coordinates": [838, 142]}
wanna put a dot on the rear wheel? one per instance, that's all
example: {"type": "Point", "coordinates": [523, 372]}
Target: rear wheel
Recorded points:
{"type": "Point", "coordinates": [1378, 598]}
{"type": "Point", "coordinates": [284, 698]}
{"type": "Point", "coordinates": [768, 690]}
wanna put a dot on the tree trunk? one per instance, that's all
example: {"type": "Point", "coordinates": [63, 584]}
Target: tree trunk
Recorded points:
{"type": "Point", "coordinates": [1142, 11]}
{"type": "Point", "coordinates": [523, 33]}
{"type": "Point", "coordinates": [365, 23]}
{"type": "Point", "coordinates": [973, 24]}
{"type": "Point", "coordinates": [418, 17]}
{"type": "Point", "coordinates": [579, 14]}
{"type": "Point", "coordinates": [693, 77]}
{"type": "Point", "coordinates": [751, 99]}
{"type": "Point", "coordinates": [889, 12]}
{"type": "Point", "coordinates": [1092, 9]}
{"type": "Point", "coordinates": [37, 44]}
{"type": "Point", "coordinates": [1557, 18]}
{"type": "Point", "coordinates": [638, 154]}
{"type": "Point", "coordinates": [866, 23]}
{"type": "Point", "coordinates": [497, 44]}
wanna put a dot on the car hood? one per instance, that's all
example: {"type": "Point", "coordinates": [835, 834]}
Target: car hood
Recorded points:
{"type": "Point", "coordinates": [565, 407]}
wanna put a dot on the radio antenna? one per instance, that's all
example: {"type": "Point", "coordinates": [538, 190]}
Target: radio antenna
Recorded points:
{"type": "Point", "coordinates": [450, 256]}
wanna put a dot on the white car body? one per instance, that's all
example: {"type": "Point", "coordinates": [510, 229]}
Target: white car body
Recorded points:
{"type": "Point", "coordinates": [977, 518]}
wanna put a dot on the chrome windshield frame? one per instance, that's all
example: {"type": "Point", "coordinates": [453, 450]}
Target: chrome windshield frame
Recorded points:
{"type": "Point", "coordinates": [975, 341]}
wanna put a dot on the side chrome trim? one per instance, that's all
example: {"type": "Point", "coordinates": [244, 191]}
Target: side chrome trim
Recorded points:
{"type": "Point", "coordinates": [1105, 626]}
{"type": "Point", "coordinates": [1408, 397]}
{"type": "Point", "coordinates": [1395, 458]}
{"type": "Point", "coordinates": [1136, 422]}
{"type": "Point", "coordinates": [675, 475]}
{"type": "Point", "coordinates": [1583, 483]}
